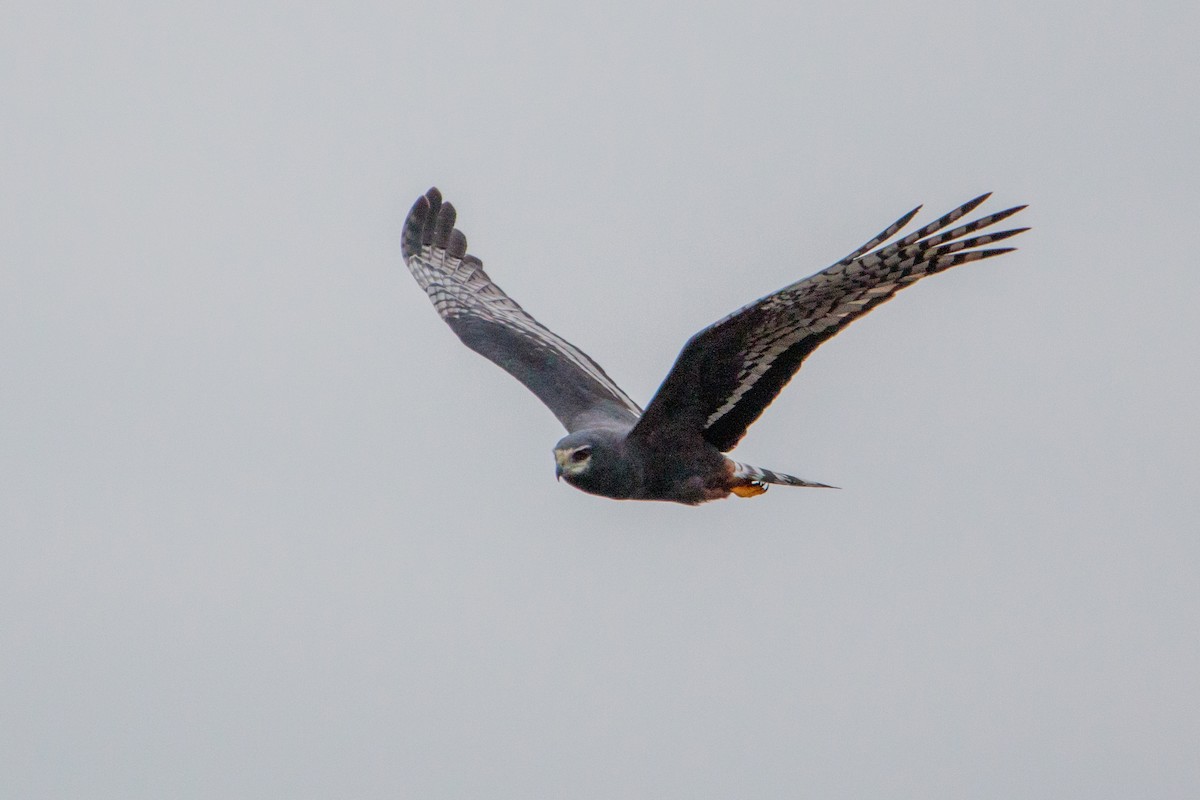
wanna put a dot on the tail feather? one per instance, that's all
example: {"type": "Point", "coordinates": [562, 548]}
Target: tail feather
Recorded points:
{"type": "Point", "coordinates": [757, 476]}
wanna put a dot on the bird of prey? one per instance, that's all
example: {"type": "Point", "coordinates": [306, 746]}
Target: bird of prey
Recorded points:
{"type": "Point", "coordinates": [722, 380]}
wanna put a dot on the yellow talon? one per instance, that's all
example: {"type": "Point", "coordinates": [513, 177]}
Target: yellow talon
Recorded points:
{"type": "Point", "coordinates": [750, 489]}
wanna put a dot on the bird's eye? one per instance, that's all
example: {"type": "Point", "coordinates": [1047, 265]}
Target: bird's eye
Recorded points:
{"type": "Point", "coordinates": [581, 455]}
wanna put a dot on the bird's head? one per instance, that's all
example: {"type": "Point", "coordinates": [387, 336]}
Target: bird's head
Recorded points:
{"type": "Point", "coordinates": [573, 455]}
{"type": "Point", "coordinates": [591, 460]}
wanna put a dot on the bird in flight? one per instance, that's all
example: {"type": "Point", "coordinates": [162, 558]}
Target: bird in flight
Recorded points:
{"type": "Point", "coordinates": [723, 379]}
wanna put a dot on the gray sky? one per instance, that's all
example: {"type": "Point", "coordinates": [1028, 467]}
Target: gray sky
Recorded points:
{"type": "Point", "coordinates": [269, 530]}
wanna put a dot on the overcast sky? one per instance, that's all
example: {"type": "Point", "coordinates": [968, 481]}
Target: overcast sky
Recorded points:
{"type": "Point", "coordinates": [270, 531]}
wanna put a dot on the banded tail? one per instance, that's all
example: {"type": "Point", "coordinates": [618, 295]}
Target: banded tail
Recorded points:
{"type": "Point", "coordinates": [748, 481]}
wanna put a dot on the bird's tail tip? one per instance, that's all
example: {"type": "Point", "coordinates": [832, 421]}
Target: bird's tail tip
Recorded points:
{"type": "Point", "coordinates": [750, 481]}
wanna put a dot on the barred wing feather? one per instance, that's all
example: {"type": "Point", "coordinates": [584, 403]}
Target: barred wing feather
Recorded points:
{"type": "Point", "coordinates": [492, 324]}
{"type": "Point", "coordinates": [728, 373]}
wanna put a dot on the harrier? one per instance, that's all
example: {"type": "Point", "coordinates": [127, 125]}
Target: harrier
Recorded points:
{"type": "Point", "coordinates": [723, 379]}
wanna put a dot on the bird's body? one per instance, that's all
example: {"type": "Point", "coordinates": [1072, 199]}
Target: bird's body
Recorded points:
{"type": "Point", "coordinates": [723, 379]}
{"type": "Point", "coordinates": [626, 467]}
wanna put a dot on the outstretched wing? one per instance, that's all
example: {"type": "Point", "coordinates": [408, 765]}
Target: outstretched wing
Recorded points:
{"type": "Point", "coordinates": [728, 373]}
{"type": "Point", "coordinates": [489, 322]}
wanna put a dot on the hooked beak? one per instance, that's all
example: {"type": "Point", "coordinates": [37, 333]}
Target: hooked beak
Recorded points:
{"type": "Point", "coordinates": [560, 458]}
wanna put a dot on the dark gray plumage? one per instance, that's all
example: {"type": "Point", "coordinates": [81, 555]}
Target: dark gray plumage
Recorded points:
{"type": "Point", "coordinates": [722, 381]}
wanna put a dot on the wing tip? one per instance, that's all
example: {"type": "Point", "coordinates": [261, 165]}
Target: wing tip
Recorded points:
{"type": "Point", "coordinates": [989, 253]}
{"type": "Point", "coordinates": [442, 230]}
{"type": "Point", "coordinates": [431, 222]}
{"type": "Point", "coordinates": [970, 205]}
{"type": "Point", "coordinates": [457, 246]}
{"type": "Point", "coordinates": [414, 223]}
{"type": "Point", "coordinates": [899, 224]}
